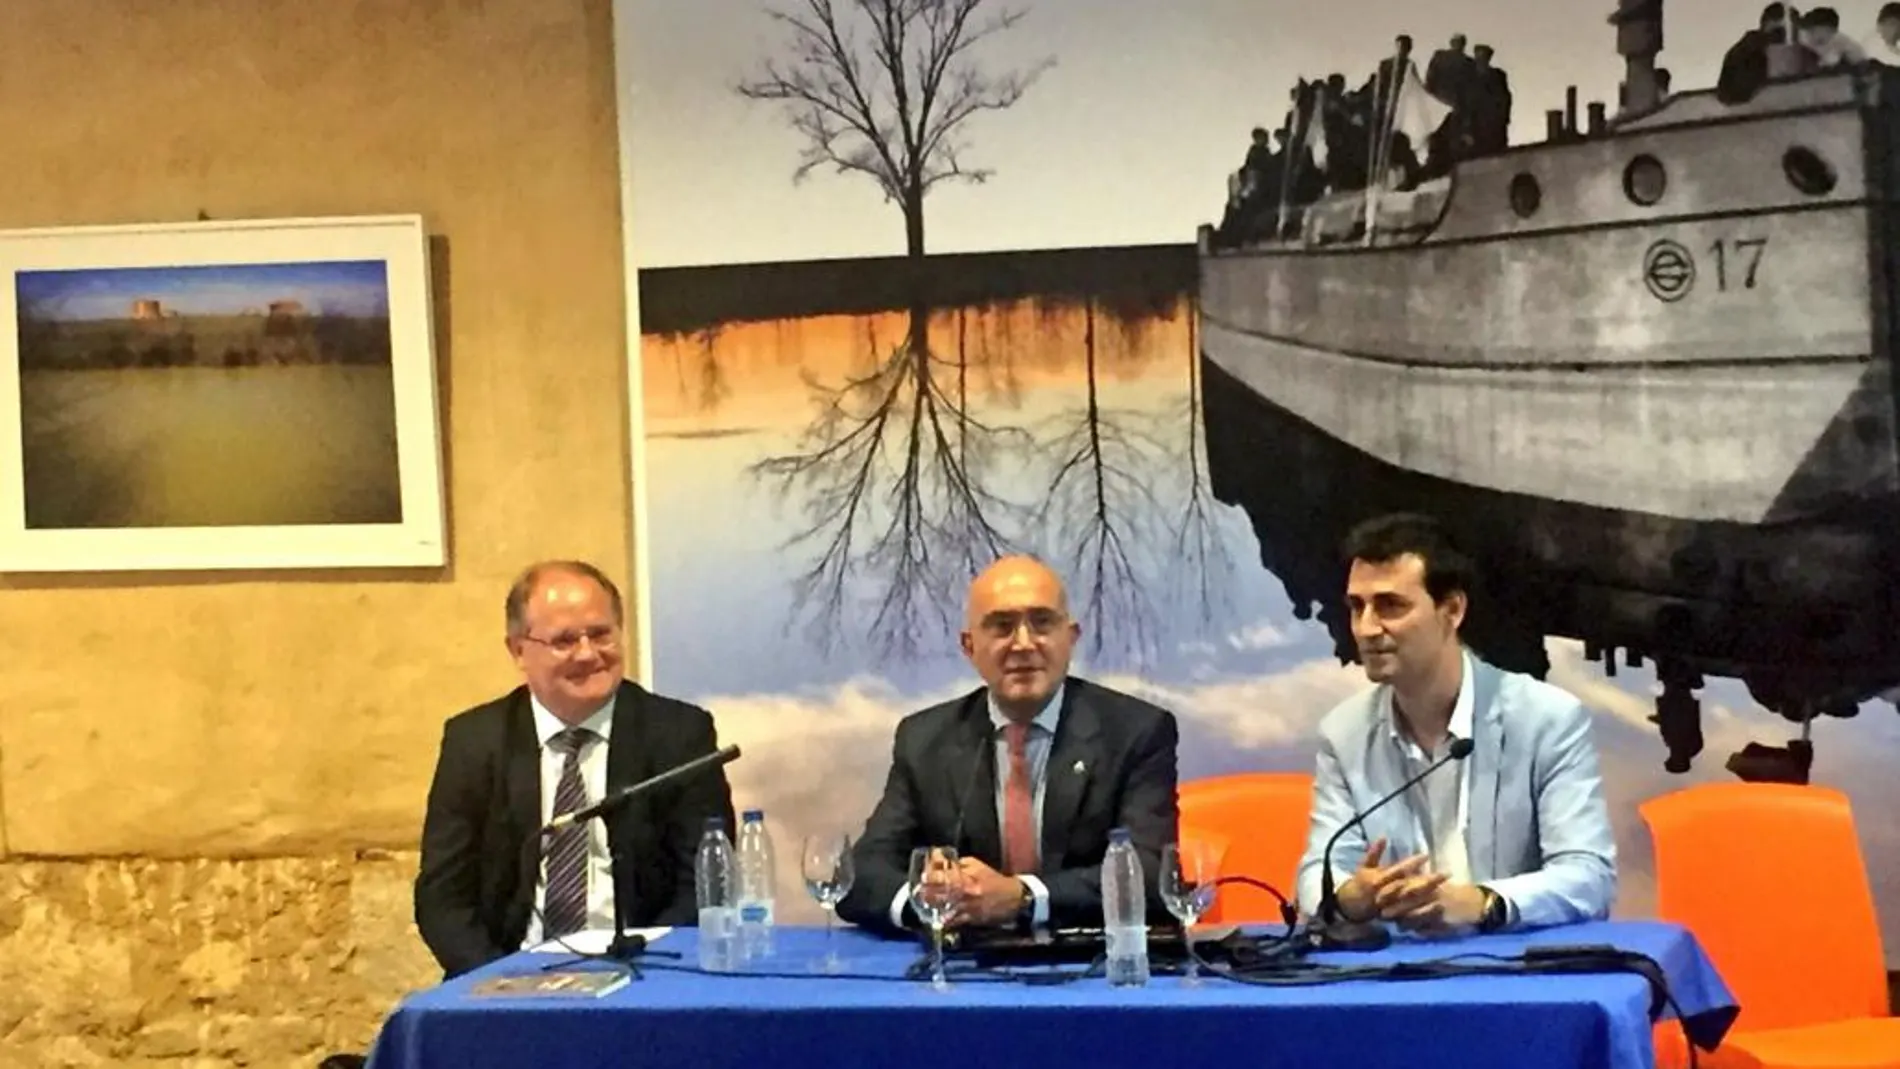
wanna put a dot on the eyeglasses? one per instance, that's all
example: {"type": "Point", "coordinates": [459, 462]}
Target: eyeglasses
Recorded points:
{"type": "Point", "coordinates": [567, 643]}
{"type": "Point", "coordinates": [1041, 623]}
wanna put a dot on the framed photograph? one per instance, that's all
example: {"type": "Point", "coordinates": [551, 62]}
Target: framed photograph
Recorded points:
{"type": "Point", "coordinates": [219, 395]}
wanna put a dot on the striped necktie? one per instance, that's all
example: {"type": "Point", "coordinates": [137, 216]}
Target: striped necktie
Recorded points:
{"type": "Point", "coordinates": [565, 908]}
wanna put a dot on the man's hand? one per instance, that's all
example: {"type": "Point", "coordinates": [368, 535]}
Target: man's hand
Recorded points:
{"type": "Point", "coordinates": [1387, 892]}
{"type": "Point", "coordinates": [1455, 906]}
{"type": "Point", "coordinates": [989, 897]}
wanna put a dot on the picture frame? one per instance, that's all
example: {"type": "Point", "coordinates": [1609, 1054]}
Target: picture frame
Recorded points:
{"type": "Point", "coordinates": [214, 395]}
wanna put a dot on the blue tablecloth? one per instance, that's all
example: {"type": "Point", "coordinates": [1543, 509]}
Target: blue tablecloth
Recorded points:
{"type": "Point", "coordinates": [675, 1017]}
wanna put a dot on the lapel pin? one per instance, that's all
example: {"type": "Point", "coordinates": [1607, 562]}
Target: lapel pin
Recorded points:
{"type": "Point", "coordinates": [1080, 768]}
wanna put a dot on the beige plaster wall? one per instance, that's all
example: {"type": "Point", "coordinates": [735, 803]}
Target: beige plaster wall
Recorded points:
{"type": "Point", "coordinates": [211, 785]}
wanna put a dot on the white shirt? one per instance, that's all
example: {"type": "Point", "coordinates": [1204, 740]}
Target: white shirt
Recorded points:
{"type": "Point", "coordinates": [593, 760]}
{"type": "Point", "coordinates": [1440, 806]}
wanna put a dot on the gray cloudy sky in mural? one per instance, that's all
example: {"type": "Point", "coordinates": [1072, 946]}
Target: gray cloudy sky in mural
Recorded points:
{"type": "Point", "coordinates": [1127, 140]}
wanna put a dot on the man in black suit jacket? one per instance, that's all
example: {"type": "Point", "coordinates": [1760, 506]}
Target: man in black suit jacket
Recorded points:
{"type": "Point", "coordinates": [1028, 809]}
{"type": "Point", "coordinates": [481, 889]}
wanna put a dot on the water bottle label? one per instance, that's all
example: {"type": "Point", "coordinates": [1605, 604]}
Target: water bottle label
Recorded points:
{"type": "Point", "coordinates": [754, 913]}
{"type": "Point", "coordinates": [1127, 942]}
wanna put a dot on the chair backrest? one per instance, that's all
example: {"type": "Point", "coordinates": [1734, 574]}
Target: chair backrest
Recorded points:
{"type": "Point", "coordinates": [1770, 878]}
{"type": "Point", "coordinates": [1263, 818]}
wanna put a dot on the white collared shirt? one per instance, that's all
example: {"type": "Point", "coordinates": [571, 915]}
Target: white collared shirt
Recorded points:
{"type": "Point", "coordinates": [593, 760]}
{"type": "Point", "coordinates": [1440, 805]}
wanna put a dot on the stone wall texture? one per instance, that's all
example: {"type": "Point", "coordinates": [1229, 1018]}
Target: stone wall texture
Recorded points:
{"type": "Point", "coordinates": [211, 785]}
{"type": "Point", "coordinates": [266, 962]}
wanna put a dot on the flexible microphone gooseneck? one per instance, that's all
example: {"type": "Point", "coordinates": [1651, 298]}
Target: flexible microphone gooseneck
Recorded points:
{"type": "Point", "coordinates": [984, 744]}
{"type": "Point", "coordinates": [1329, 897]}
{"type": "Point", "coordinates": [616, 798]}
{"type": "Point", "coordinates": [623, 947]}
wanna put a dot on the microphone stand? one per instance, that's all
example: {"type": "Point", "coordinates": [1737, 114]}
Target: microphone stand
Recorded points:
{"type": "Point", "coordinates": [1367, 934]}
{"type": "Point", "coordinates": [623, 947]}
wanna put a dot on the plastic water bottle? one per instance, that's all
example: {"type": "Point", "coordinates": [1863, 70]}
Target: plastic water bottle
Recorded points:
{"type": "Point", "coordinates": [713, 874]}
{"type": "Point", "coordinates": [758, 905]}
{"type": "Point", "coordinates": [1124, 912]}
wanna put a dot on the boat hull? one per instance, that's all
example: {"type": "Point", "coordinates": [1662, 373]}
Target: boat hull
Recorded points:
{"type": "Point", "coordinates": [1546, 365]}
{"type": "Point", "coordinates": [1800, 611]}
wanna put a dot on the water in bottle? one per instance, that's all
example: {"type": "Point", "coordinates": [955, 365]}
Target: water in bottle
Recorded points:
{"type": "Point", "coordinates": [1124, 912]}
{"type": "Point", "coordinates": [714, 874]}
{"type": "Point", "coordinates": [758, 909]}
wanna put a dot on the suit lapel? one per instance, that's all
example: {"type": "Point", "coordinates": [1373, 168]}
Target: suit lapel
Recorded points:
{"type": "Point", "coordinates": [523, 779]}
{"type": "Point", "coordinates": [972, 769]}
{"type": "Point", "coordinates": [1487, 753]}
{"type": "Point", "coordinates": [1072, 763]}
{"type": "Point", "coordinates": [624, 754]}
{"type": "Point", "coordinates": [630, 826]}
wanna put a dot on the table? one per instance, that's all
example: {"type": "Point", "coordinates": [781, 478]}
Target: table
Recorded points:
{"type": "Point", "coordinates": [688, 1019]}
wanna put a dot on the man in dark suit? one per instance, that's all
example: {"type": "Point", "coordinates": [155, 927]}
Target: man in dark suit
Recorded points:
{"type": "Point", "coordinates": [1025, 776]}
{"type": "Point", "coordinates": [572, 731]}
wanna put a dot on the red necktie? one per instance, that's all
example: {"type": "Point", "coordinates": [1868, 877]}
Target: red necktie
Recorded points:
{"type": "Point", "coordinates": [1019, 825]}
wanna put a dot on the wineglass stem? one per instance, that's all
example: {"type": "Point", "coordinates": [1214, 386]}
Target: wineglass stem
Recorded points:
{"type": "Point", "coordinates": [1187, 944]}
{"type": "Point", "coordinates": [831, 916]}
{"type": "Point", "coordinates": [937, 978]}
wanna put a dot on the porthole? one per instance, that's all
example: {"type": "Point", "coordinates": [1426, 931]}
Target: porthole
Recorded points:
{"type": "Point", "coordinates": [1526, 195]}
{"type": "Point", "coordinates": [1644, 180]}
{"type": "Point", "coordinates": [1808, 172]}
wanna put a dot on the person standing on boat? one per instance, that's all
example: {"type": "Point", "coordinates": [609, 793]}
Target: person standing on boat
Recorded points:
{"type": "Point", "coordinates": [1746, 68]}
{"type": "Point", "coordinates": [1884, 45]}
{"type": "Point", "coordinates": [1517, 834]}
{"type": "Point", "coordinates": [1489, 104]}
{"type": "Point", "coordinates": [1821, 33]}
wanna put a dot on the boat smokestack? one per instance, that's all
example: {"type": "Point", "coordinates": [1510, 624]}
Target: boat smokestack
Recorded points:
{"type": "Point", "coordinates": [1554, 125]}
{"type": "Point", "coordinates": [1570, 110]}
{"type": "Point", "coordinates": [1639, 37]}
{"type": "Point", "coordinates": [1599, 119]}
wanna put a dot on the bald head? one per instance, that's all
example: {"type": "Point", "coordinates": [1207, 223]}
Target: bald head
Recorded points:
{"type": "Point", "coordinates": [1012, 579]}
{"type": "Point", "coordinates": [1018, 633]}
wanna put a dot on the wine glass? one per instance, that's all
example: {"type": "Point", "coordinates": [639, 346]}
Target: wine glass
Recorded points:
{"type": "Point", "coordinates": [935, 886]}
{"type": "Point", "coordinates": [829, 873]}
{"type": "Point", "coordinates": [1189, 871]}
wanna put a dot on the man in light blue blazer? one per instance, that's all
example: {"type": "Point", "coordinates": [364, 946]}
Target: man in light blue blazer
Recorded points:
{"type": "Point", "coordinates": [1517, 833]}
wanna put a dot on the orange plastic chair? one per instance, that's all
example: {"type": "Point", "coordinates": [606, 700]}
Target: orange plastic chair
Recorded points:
{"type": "Point", "coordinates": [1263, 817]}
{"type": "Point", "coordinates": [1770, 878]}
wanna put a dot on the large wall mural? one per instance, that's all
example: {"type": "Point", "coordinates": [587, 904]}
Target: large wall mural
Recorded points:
{"type": "Point", "coordinates": [1173, 295]}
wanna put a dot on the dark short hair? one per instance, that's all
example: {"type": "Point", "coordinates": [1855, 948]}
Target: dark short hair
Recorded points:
{"type": "Point", "coordinates": [1888, 11]}
{"type": "Point", "coordinates": [1389, 537]}
{"type": "Point", "coordinates": [524, 586]}
{"type": "Point", "coordinates": [1822, 17]}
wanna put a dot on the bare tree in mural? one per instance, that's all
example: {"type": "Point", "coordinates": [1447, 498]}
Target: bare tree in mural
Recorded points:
{"type": "Point", "coordinates": [1198, 548]}
{"type": "Point", "coordinates": [883, 88]}
{"type": "Point", "coordinates": [890, 478]}
{"type": "Point", "coordinates": [706, 383]}
{"type": "Point", "coordinates": [1100, 507]}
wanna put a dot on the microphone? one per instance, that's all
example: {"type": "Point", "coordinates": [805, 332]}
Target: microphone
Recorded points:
{"type": "Point", "coordinates": [1328, 897]}
{"type": "Point", "coordinates": [985, 745]}
{"type": "Point", "coordinates": [615, 799]}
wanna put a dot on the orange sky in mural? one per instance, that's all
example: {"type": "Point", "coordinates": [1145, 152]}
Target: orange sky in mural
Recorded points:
{"type": "Point", "coordinates": [750, 375]}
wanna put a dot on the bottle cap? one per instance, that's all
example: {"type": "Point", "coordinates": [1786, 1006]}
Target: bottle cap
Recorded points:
{"type": "Point", "coordinates": [1120, 835]}
{"type": "Point", "coordinates": [752, 815]}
